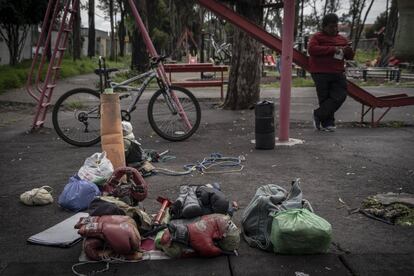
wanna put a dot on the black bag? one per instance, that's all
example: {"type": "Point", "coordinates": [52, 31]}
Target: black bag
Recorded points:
{"type": "Point", "coordinates": [134, 154]}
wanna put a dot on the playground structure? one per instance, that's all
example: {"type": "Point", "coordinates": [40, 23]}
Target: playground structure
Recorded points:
{"type": "Point", "coordinates": [42, 91]}
{"type": "Point", "coordinates": [357, 93]}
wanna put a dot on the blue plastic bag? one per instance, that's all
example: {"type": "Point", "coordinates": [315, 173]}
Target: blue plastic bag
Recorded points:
{"type": "Point", "coordinates": [78, 194]}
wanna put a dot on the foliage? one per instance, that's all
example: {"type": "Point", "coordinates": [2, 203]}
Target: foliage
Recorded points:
{"type": "Point", "coordinates": [16, 76]}
{"type": "Point", "coordinates": [319, 8]}
{"type": "Point", "coordinates": [379, 23]}
{"type": "Point", "coordinates": [22, 12]}
{"type": "Point", "coordinates": [357, 19]}
{"type": "Point", "coordinates": [362, 56]}
{"type": "Point", "coordinates": [15, 18]}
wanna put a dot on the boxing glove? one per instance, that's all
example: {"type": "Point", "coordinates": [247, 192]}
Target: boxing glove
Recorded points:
{"type": "Point", "coordinates": [204, 232]}
{"type": "Point", "coordinates": [96, 250]}
{"type": "Point", "coordinates": [123, 238]}
{"type": "Point", "coordinates": [114, 219]}
{"type": "Point", "coordinates": [175, 233]}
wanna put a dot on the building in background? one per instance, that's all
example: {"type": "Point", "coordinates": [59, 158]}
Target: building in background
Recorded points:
{"type": "Point", "coordinates": [102, 45]}
{"type": "Point", "coordinates": [31, 39]}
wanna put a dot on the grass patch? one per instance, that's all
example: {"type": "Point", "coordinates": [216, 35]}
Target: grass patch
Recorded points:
{"type": "Point", "coordinates": [16, 76]}
{"type": "Point", "coordinates": [296, 82]}
{"type": "Point", "coordinates": [363, 56]}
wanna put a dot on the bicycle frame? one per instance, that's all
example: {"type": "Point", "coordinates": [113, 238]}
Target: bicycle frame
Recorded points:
{"type": "Point", "coordinates": [138, 91]}
{"type": "Point", "coordinates": [148, 77]}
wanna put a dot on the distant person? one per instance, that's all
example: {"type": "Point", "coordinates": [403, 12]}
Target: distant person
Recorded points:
{"type": "Point", "coordinates": [327, 50]}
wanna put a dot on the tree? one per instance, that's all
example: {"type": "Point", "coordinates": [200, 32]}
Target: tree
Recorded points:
{"type": "Point", "coordinates": [389, 37]}
{"type": "Point", "coordinates": [360, 26]}
{"type": "Point", "coordinates": [244, 81]}
{"type": "Point", "coordinates": [108, 6]}
{"type": "Point", "coordinates": [16, 16]}
{"type": "Point", "coordinates": [91, 29]}
{"type": "Point", "coordinates": [121, 28]}
{"type": "Point", "coordinates": [139, 59]}
{"type": "Point", "coordinates": [183, 17]}
{"type": "Point", "coordinates": [356, 19]}
{"type": "Point", "coordinates": [77, 42]}
{"type": "Point", "coordinates": [314, 20]}
{"type": "Point", "coordinates": [157, 26]}
{"type": "Point", "coordinates": [380, 22]}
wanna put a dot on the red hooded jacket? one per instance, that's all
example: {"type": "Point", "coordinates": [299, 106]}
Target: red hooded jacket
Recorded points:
{"type": "Point", "coordinates": [322, 48]}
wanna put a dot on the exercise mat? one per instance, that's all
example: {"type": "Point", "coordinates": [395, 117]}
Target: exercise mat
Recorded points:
{"type": "Point", "coordinates": [62, 234]}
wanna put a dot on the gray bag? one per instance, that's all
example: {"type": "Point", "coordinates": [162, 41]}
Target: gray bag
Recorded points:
{"type": "Point", "coordinates": [271, 198]}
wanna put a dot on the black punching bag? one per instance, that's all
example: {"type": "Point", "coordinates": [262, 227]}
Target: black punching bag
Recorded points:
{"type": "Point", "coordinates": [265, 125]}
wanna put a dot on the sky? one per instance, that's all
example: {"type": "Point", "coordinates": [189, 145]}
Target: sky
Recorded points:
{"type": "Point", "coordinates": [102, 24]}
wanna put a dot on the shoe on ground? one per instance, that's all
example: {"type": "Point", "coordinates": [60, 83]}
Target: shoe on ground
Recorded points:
{"type": "Point", "coordinates": [328, 128]}
{"type": "Point", "coordinates": [316, 121]}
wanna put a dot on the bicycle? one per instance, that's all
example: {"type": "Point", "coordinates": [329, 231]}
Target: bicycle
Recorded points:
{"type": "Point", "coordinates": [222, 52]}
{"type": "Point", "coordinates": [173, 112]}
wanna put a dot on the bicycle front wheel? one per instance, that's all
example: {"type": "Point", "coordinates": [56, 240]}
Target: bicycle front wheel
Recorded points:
{"type": "Point", "coordinates": [76, 117]}
{"type": "Point", "coordinates": [164, 117]}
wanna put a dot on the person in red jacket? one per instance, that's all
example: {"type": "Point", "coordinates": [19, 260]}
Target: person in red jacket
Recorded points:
{"type": "Point", "coordinates": [327, 50]}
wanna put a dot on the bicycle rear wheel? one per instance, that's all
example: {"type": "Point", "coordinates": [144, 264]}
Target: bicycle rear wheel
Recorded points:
{"type": "Point", "coordinates": [76, 117]}
{"type": "Point", "coordinates": [164, 118]}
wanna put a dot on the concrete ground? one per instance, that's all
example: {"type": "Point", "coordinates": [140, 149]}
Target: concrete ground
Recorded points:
{"type": "Point", "coordinates": [351, 163]}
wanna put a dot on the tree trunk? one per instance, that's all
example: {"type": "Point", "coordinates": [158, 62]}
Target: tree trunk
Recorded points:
{"type": "Point", "coordinates": [77, 45]}
{"type": "Point", "coordinates": [14, 40]}
{"type": "Point", "coordinates": [361, 26]}
{"type": "Point", "coordinates": [91, 30]}
{"type": "Point", "coordinates": [244, 80]}
{"type": "Point", "coordinates": [139, 59]}
{"type": "Point", "coordinates": [390, 31]}
{"type": "Point", "coordinates": [111, 19]}
{"type": "Point", "coordinates": [121, 29]}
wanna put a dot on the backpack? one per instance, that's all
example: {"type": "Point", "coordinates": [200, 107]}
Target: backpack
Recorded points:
{"type": "Point", "coordinates": [269, 199]}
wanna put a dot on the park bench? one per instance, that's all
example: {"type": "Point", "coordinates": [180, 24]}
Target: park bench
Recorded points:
{"type": "Point", "coordinates": [197, 67]}
{"type": "Point", "coordinates": [389, 73]}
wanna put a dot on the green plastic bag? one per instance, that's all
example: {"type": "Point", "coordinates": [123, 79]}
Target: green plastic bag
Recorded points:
{"type": "Point", "coordinates": [299, 231]}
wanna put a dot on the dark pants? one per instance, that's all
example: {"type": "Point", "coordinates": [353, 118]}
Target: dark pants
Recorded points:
{"type": "Point", "coordinates": [331, 90]}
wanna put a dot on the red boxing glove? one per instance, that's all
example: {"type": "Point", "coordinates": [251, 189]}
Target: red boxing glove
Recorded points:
{"type": "Point", "coordinates": [123, 238]}
{"type": "Point", "coordinates": [104, 219]}
{"type": "Point", "coordinates": [203, 233]}
{"type": "Point", "coordinates": [96, 250]}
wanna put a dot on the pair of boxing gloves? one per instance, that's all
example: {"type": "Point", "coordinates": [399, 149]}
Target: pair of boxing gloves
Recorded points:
{"type": "Point", "coordinates": [200, 235]}
{"type": "Point", "coordinates": [119, 233]}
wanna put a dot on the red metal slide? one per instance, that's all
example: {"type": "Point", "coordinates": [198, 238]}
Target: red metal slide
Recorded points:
{"type": "Point", "coordinates": [273, 42]}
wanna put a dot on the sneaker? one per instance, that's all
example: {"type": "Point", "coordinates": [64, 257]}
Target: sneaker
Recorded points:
{"type": "Point", "coordinates": [316, 121]}
{"type": "Point", "coordinates": [328, 128]}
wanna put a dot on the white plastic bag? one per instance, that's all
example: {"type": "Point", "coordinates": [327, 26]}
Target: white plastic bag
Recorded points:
{"type": "Point", "coordinates": [37, 196]}
{"type": "Point", "coordinates": [127, 130]}
{"type": "Point", "coordinates": [97, 168]}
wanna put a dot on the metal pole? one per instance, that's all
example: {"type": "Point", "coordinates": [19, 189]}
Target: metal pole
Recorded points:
{"type": "Point", "coordinates": [286, 74]}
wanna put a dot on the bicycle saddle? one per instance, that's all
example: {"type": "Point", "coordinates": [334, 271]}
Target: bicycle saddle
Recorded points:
{"type": "Point", "coordinates": [103, 71]}
{"type": "Point", "coordinates": [158, 59]}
